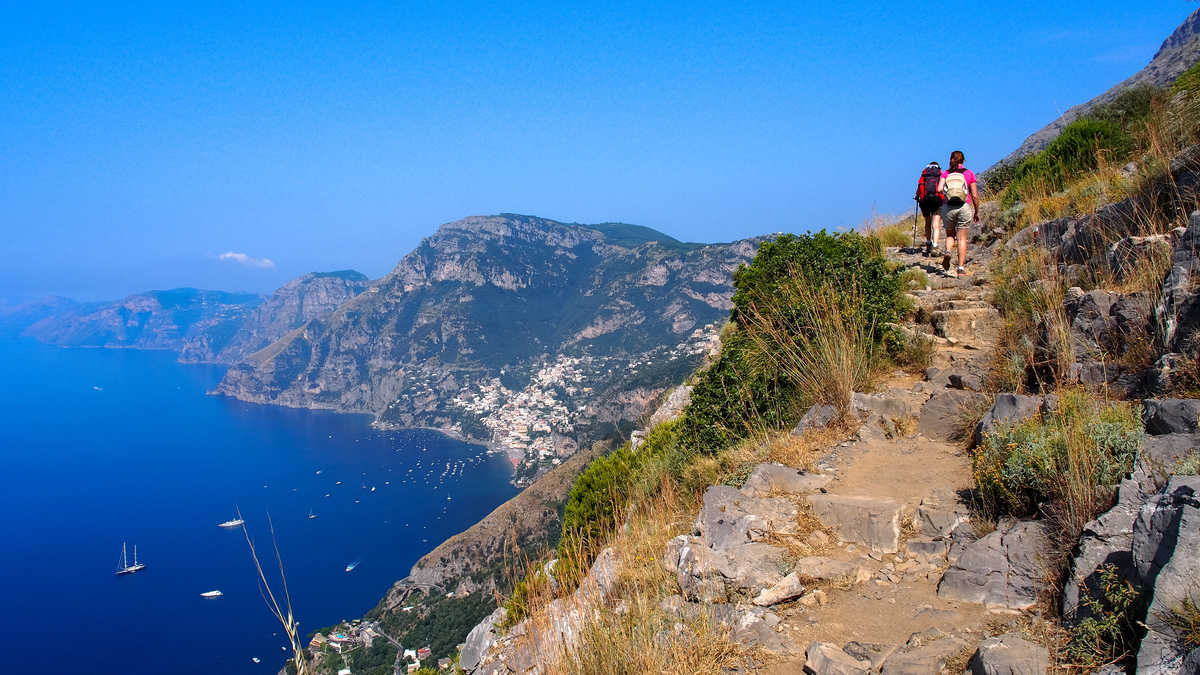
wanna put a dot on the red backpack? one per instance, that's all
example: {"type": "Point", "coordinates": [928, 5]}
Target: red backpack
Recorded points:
{"type": "Point", "coordinates": [928, 183]}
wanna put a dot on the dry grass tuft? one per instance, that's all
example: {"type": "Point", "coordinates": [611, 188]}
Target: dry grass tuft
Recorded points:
{"type": "Point", "coordinates": [815, 337]}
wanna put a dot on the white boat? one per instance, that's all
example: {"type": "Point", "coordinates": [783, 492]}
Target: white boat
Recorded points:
{"type": "Point", "coordinates": [236, 522]}
{"type": "Point", "coordinates": [311, 515]}
{"type": "Point", "coordinates": [211, 594]}
{"type": "Point", "coordinates": [255, 659]}
{"type": "Point", "coordinates": [125, 567]}
{"type": "Point", "coordinates": [350, 567]}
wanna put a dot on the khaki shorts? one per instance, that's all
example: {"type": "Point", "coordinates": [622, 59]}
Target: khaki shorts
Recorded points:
{"type": "Point", "coordinates": [954, 217]}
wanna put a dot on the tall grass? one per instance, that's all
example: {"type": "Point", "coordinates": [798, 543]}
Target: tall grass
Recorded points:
{"type": "Point", "coordinates": [1059, 463]}
{"type": "Point", "coordinates": [815, 336]}
{"type": "Point", "coordinates": [281, 607]}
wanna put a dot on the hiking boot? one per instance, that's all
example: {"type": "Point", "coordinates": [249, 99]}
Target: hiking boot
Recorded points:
{"type": "Point", "coordinates": [946, 262]}
{"type": "Point", "coordinates": [962, 271]}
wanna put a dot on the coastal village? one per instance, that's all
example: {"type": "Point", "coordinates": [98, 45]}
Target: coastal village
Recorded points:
{"type": "Point", "coordinates": [535, 425]}
{"type": "Point", "coordinates": [345, 638]}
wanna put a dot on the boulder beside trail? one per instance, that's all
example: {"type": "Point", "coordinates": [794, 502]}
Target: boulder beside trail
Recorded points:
{"type": "Point", "coordinates": [1007, 409]}
{"type": "Point", "coordinates": [1009, 654]}
{"type": "Point", "coordinates": [1171, 415]}
{"type": "Point", "coordinates": [1002, 570]}
{"type": "Point", "coordinates": [1165, 544]}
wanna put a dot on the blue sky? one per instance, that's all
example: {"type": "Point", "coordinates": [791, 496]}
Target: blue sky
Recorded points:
{"type": "Point", "coordinates": [140, 142]}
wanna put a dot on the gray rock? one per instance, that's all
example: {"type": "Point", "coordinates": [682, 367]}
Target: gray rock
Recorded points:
{"type": "Point", "coordinates": [672, 407]}
{"type": "Point", "coordinates": [700, 572]}
{"type": "Point", "coordinates": [1008, 409]}
{"type": "Point", "coordinates": [941, 414]}
{"type": "Point", "coordinates": [1003, 570]}
{"type": "Point", "coordinates": [824, 658]}
{"type": "Point", "coordinates": [876, 654]}
{"type": "Point", "coordinates": [1107, 540]}
{"type": "Point", "coordinates": [1164, 375]}
{"type": "Point", "coordinates": [818, 417]}
{"type": "Point", "coordinates": [602, 577]}
{"type": "Point", "coordinates": [672, 552]}
{"type": "Point", "coordinates": [1165, 546]}
{"type": "Point", "coordinates": [924, 653]}
{"type": "Point", "coordinates": [750, 568]}
{"type": "Point", "coordinates": [966, 381]}
{"type": "Point", "coordinates": [1171, 415]}
{"type": "Point", "coordinates": [821, 568]}
{"type": "Point", "coordinates": [788, 588]}
{"type": "Point", "coordinates": [729, 518]}
{"type": "Point", "coordinates": [756, 626]}
{"type": "Point", "coordinates": [881, 405]}
{"type": "Point", "coordinates": [480, 640]}
{"type": "Point", "coordinates": [1009, 654]}
{"type": "Point", "coordinates": [933, 548]}
{"type": "Point", "coordinates": [941, 512]}
{"type": "Point", "coordinates": [865, 520]}
{"type": "Point", "coordinates": [767, 479]}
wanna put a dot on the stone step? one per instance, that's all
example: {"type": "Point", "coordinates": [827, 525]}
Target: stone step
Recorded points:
{"type": "Point", "coordinates": [946, 305]}
{"type": "Point", "coordinates": [966, 325]}
{"type": "Point", "coordinates": [863, 520]}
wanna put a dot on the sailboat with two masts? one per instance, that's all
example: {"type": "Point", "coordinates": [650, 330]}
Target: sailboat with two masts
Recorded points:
{"type": "Point", "coordinates": [125, 567]}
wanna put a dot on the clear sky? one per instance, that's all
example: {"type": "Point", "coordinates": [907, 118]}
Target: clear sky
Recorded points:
{"type": "Point", "coordinates": [138, 143]}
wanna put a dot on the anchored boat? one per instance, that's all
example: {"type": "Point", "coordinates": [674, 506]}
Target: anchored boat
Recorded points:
{"type": "Point", "coordinates": [125, 567]}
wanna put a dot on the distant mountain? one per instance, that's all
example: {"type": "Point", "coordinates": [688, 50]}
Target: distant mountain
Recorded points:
{"type": "Point", "coordinates": [1180, 51]}
{"type": "Point", "coordinates": [510, 327]}
{"type": "Point", "coordinates": [152, 320]}
{"type": "Point", "coordinates": [16, 320]}
{"type": "Point", "coordinates": [288, 308]}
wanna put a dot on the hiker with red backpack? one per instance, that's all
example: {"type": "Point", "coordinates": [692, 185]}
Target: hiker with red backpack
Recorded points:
{"type": "Point", "coordinates": [929, 199]}
{"type": "Point", "coordinates": [960, 193]}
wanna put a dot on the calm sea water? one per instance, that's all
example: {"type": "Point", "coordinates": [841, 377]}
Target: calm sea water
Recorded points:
{"type": "Point", "coordinates": [104, 446]}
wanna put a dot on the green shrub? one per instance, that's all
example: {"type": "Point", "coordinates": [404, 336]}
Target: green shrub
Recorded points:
{"type": "Point", "coordinates": [1073, 153]}
{"type": "Point", "coordinates": [1110, 632]}
{"type": "Point", "coordinates": [1063, 457]}
{"type": "Point", "coordinates": [1188, 80]}
{"type": "Point", "coordinates": [744, 392]}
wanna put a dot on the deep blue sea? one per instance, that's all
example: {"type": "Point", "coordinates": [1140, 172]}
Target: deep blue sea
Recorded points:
{"type": "Point", "coordinates": [103, 446]}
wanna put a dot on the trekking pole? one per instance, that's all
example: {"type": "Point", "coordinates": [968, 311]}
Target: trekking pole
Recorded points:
{"type": "Point", "coordinates": [916, 211]}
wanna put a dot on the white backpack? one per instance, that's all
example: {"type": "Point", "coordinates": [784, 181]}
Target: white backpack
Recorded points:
{"type": "Point", "coordinates": [956, 189]}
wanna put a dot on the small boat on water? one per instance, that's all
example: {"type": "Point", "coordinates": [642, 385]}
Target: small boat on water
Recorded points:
{"type": "Point", "coordinates": [350, 567]}
{"type": "Point", "coordinates": [211, 594]}
{"type": "Point", "coordinates": [311, 515]}
{"type": "Point", "coordinates": [236, 522]}
{"type": "Point", "coordinates": [255, 659]}
{"type": "Point", "coordinates": [125, 567]}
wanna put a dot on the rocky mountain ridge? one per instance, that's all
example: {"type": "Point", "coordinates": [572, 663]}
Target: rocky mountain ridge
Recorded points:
{"type": "Point", "coordinates": [168, 319]}
{"type": "Point", "coordinates": [522, 330]}
{"type": "Point", "coordinates": [1180, 51]}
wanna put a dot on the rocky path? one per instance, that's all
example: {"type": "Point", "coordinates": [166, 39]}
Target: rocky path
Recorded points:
{"type": "Point", "coordinates": [871, 562]}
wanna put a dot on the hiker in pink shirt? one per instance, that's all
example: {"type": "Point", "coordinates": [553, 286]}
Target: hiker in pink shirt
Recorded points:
{"type": "Point", "coordinates": [960, 191]}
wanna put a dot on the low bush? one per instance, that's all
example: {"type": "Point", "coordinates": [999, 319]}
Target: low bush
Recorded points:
{"type": "Point", "coordinates": [1109, 633]}
{"type": "Point", "coordinates": [1076, 151]}
{"type": "Point", "coordinates": [1061, 459]}
{"type": "Point", "coordinates": [813, 298]}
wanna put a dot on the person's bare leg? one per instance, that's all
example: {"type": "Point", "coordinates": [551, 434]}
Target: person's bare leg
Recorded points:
{"type": "Point", "coordinates": [962, 249]}
{"type": "Point", "coordinates": [937, 229]}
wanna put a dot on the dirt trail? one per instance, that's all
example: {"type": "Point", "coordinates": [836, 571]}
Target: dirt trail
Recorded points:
{"type": "Point", "coordinates": [901, 599]}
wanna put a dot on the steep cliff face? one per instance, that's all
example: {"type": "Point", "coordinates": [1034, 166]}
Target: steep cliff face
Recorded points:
{"type": "Point", "coordinates": [289, 307]}
{"type": "Point", "coordinates": [1180, 51]}
{"type": "Point", "coordinates": [508, 324]}
{"type": "Point", "coordinates": [152, 320]}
